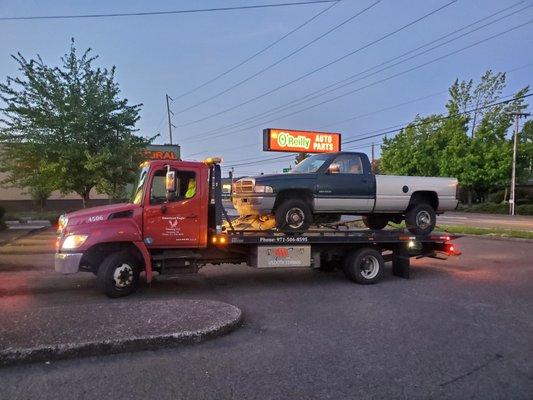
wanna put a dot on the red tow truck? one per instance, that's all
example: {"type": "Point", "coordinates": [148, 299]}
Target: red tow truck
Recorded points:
{"type": "Point", "coordinates": [176, 223]}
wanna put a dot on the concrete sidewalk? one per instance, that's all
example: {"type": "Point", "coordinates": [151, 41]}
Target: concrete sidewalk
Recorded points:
{"type": "Point", "coordinates": [51, 333]}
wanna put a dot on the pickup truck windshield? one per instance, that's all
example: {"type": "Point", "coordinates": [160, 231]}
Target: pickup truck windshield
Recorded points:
{"type": "Point", "coordinates": [310, 164]}
{"type": "Point", "coordinates": [138, 188]}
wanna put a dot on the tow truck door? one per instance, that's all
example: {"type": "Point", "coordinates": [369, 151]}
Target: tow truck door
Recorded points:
{"type": "Point", "coordinates": [173, 223]}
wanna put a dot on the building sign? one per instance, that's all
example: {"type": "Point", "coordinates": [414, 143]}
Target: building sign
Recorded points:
{"type": "Point", "coordinates": [301, 141]}
{"type": "Point", "coordinates": [162, 152]}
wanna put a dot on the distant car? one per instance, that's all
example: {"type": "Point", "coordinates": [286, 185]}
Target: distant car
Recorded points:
{"type": "Point", "coordinates": [324, 186]}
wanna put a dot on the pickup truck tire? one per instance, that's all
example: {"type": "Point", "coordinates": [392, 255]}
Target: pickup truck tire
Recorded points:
{"type": "Point", "coordinates": [364, 266]}
{"type": "Point", "coordinates": [118, 275]}
{"type": "Point", "coordinates": [293, 215]}
{"type": "Point", "coordinates": [375, 221]}
{"type": "Point", "coordinates": [421, 219]}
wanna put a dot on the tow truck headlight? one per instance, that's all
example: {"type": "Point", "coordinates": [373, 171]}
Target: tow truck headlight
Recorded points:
{"type": "Point", "coordinates": [73, 242]}
{"type": "Point", "coordinates": [263, 189]}
{"type": "Point", "coordinates": [62, 223]}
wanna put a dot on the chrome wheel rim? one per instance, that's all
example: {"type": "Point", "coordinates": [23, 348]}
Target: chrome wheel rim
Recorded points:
{"type": "Point", "coordinates": [423, 219]}
{"type": "Point", "coordinates": [369, 267]}
{"type": "Point", "coordinates": [123, 276]}
{"type": "Point", "coordinates": [295, 218]}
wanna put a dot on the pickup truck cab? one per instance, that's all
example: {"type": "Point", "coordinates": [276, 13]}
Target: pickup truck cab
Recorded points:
{"type": "Point", "coordinates": [324, 186]}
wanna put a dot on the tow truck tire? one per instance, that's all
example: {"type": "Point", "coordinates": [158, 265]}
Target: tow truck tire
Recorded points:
{"type": "Point", "coordinates": [374, 221]}
{"type": "Point", "coordinates": [118, 275]}
{"type": "Point", "coordinates": [421, 219]}
{"type": "Point", "coordinates": [364, 266]}
{"type": "Point", "coordinates": [293, 215]}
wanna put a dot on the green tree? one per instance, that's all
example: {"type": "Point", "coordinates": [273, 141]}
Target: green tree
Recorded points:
{"type": "Point", "coordinates": [73, 118]}
{"type": "Point", "coordinates": [524, 157]}
{"type": "Point", "coordinates": [441, 145]}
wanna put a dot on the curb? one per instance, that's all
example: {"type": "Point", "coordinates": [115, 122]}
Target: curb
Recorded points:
{"type": "Point", "coordinates": [499, 238]}
{"type": "Point", "coordinates": [19, 356]}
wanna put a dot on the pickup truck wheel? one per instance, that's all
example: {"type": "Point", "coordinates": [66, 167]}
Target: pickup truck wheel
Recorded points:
{"type": "Point", "coordinates": [375, 221]}
{"type": "Point", "coordinates": [420, 219]}
{"type": "Point", "coordinates": [118, 275]}
{"type": "Point", "coordinates": [293, 215]}
{"type": "Point", "coordinates": [364, 266]}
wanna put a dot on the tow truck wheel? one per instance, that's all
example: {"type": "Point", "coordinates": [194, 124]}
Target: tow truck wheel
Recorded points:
{"type": "Point", "coordinates": [364, 266]}
{"type": "Point", "coordinates": [118, 275]}
{"type": "Point", "coordinates": [293, 215]}
{"type": "Point", "coordinates": [421, 219]}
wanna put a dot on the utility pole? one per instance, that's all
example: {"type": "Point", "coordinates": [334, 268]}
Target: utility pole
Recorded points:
{"type": "Point", "coordinates": [517, 116]}
{"type": "Point", "coordinates": [231, 172]}
{"type": "Point", "coordinates": [170, 125]}
{"type": "Point", "coordinates": [372, 152]}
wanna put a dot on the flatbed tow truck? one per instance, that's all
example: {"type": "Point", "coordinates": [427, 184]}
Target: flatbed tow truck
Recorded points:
{"type": "Point", "coordinates": [176, 223]}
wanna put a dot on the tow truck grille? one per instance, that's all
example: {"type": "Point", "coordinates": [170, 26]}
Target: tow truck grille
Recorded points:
{"type": "Point", "coordinates": [244, 186]}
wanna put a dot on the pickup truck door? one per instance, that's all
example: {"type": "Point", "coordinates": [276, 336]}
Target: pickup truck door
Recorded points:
{"type": "Point", "coordinates": [345, 186]}
{"type": "Point", "coordinates": [173, 223]}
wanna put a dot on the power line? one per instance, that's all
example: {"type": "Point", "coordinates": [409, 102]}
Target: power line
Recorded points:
{"type": "Point", "coordinates": [190, 11]}
{"type": "Point", "coordinates": [407, 71]}
{"type": "Point", "coordinates": [256, 54]}
{"type": "Point", "coordinates": [375, 112]}
{"type": "Point", "coordinates": [443, 117]}
{"type": "Point", "coordinates": [398, 128]}
{"type": "Point", "coordinates": [321, 92]}
{"type": "Point", "coordinates": [272, 65]}
{"type": "Point", "coordinates": [321, 67]}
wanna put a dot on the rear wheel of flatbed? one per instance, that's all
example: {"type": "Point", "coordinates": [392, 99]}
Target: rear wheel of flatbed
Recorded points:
{"type": "Point", "coordinates": [118, 275]}
{"type": "Point", "coordinates": [364, 266]}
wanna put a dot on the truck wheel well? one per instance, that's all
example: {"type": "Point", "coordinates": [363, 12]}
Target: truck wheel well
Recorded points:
{"type": "Point", "coordinates": [300, 194]}
{"type": "Point", "coordinates": [93, 257]}
{"type": "Point", "coordinates": [425, 197]}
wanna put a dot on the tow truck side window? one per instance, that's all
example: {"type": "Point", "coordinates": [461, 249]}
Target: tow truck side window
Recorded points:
{"type": "Point", "coordinates": [185, 186]}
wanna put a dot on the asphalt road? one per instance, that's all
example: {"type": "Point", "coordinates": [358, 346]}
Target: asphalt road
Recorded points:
{"type": "Point", "coordinates": [461, 328]}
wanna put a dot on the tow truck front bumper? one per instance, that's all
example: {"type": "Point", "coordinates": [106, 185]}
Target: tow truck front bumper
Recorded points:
{"type": "Point", "coordinates": [67, 263]}
{"type": "Point", "coordinates": [254, 205]}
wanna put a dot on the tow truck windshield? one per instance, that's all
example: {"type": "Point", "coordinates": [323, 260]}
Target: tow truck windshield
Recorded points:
{"type": "Point", "coordinates": [310, 164]}
{"type": "Point", "coordinates": [138, 188]}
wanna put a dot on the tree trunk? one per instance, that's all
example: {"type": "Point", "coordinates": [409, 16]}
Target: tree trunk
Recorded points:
{"type": "Point", "coordinates": [469, 197]}
{"type": "Point", "coordinates": [85, 197]}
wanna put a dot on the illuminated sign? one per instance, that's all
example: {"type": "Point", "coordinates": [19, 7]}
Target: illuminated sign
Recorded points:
{"type": "Point", "coordinates": [301, 141]}
{"type": "Point", "coordinates": [160, 155]}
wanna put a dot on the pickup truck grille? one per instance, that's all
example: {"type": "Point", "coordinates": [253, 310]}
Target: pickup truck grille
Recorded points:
{"type": "Point", "coordinates": [243, 186]}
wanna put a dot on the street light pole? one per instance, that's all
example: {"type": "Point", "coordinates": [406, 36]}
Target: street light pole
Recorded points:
{"type": "Point", "coordinates": [517, 116]}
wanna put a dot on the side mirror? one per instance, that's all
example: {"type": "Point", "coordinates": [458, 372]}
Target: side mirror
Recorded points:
{"type": "Point", "coordinates": [170, 184]}
{"type": "Point", "coordinates": [334, 169]}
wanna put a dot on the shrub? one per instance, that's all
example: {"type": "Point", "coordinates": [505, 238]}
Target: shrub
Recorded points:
{"type": "Point", "coordinates": [524, 209]}
{"type": "Point", "coordinates": [490, 208]}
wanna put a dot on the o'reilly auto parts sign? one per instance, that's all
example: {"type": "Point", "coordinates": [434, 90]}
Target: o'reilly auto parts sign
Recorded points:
{"type": "Point", "coordinates": [293, 141]}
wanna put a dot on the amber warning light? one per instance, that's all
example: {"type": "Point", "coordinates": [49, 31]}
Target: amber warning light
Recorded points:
{"type": "Point", "coordinates": [301, 141]}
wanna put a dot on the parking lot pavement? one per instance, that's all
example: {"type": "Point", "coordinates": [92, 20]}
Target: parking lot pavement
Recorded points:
{"type": "Point", "coordinates": [460, 328]}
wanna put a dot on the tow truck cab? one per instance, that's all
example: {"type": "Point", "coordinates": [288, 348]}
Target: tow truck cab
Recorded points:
{"type": "Point", "coordinates": [169, 209]}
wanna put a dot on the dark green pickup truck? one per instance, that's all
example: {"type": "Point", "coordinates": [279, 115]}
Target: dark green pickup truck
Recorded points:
{"type": "Point", "coordinates": [324, 186]}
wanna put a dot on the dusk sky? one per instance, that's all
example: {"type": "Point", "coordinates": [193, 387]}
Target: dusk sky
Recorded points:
{"type": "Point", "coordinates": [174, 54]}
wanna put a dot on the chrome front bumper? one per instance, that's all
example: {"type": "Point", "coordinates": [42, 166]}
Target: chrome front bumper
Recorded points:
{"type": "Point", "coordinates": [67, 263]}
{"type": "Point", "coordinates": [254, 205]}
